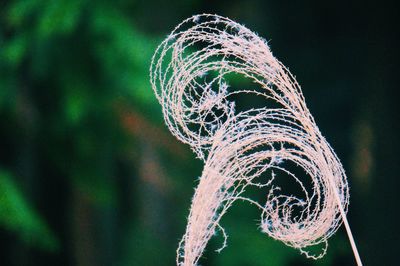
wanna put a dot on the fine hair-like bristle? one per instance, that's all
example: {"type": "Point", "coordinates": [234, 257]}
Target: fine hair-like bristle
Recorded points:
{"type": "Point", "coordinates": [189, 75]}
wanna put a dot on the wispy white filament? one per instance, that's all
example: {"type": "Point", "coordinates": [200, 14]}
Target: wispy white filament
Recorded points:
{"type": "Point", "coordinates": [189, 74]}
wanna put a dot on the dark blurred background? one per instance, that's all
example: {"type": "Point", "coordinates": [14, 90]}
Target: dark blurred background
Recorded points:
{"type": "Point", "coordinates": [89, 173]}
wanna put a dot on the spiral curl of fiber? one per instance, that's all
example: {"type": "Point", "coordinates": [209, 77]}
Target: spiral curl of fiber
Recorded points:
{"type": "Point", "coordinates": [189, 74]}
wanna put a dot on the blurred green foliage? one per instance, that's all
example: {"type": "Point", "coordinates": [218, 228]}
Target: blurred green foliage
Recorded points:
{"type": "Point", "coordinates": [17, 215]}
{"type": "Point", "coordinates": [69, 69]}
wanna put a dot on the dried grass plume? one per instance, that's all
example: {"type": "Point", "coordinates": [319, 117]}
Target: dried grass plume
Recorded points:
{"type": "Point", "coordinates": [240, 147]}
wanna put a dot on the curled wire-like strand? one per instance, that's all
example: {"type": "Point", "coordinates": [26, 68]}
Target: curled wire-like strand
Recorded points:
{"type": "Point", "coordinates": [189, 74]}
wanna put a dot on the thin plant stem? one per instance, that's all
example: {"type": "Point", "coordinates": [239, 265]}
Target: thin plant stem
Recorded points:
{"type": "Point", "coordinates": [348, 230]}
